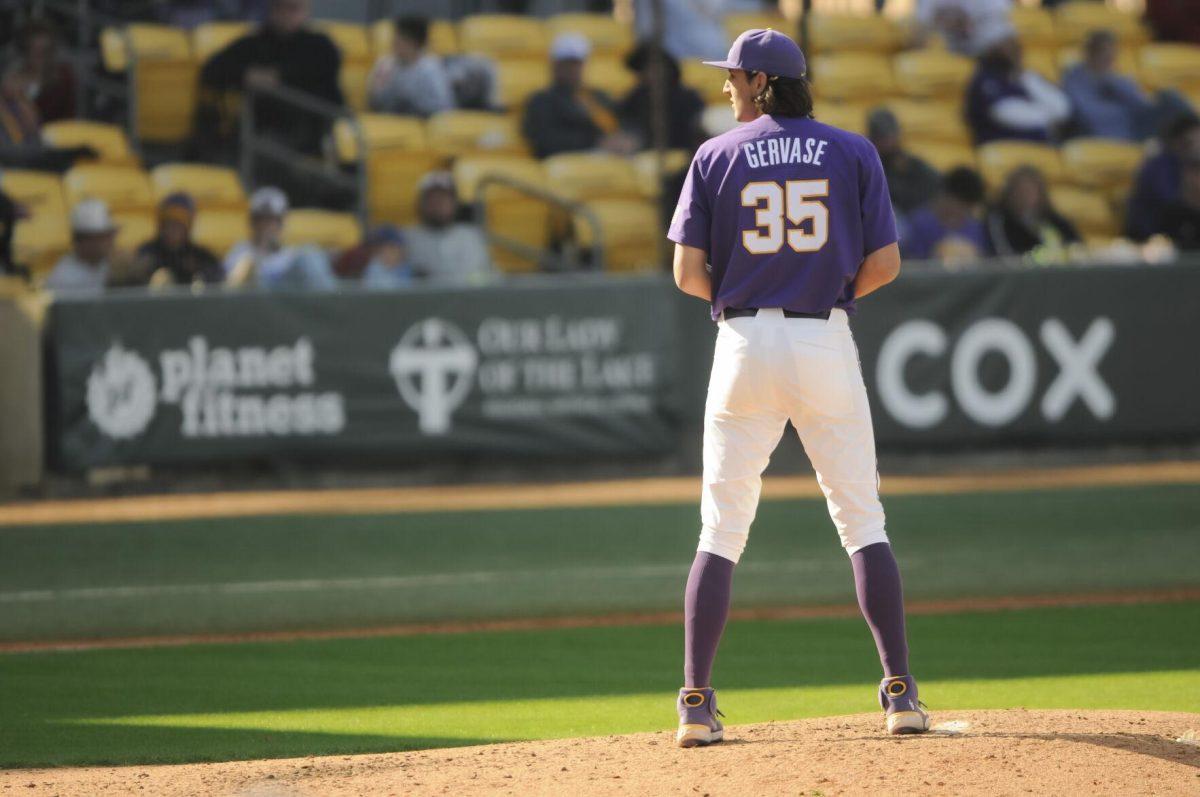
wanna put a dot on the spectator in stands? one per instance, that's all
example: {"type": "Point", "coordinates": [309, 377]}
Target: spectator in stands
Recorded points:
{"type": "Point", "coordinates": [962, 24]}
{"type": "Point", "coordinates": [1159, 180]}
{"type": "Point", "coordinates": [683, 105]}
{"type": "Point", "coordinates": [442, 249]}
{"type": "Point", "coordinates": [1181, 219]}
{"type": "Point", "coordinates": [1024, 222]}
{"type": "Point", "coordinates": [388, 268]}
{"type": "Point", "coordinates": [911, 181]}
{"type": "Point", "coordinates": [283, 52]}
{"type": "Point", "coordinates": [44, 78]}
{"type": "Point", "coordinates": [171, 258]}
{"type": "Point", "coordinates": [410, 80]}
{"type": "Point", "coordinates": [1174, 20]}
{"type": "Point", "coordinates": [266, 261]}
{"type": "Point", "coordinates": [1006, 101]}
{"type": "Point", "coordinates": [690, 28]}
{"type": "Point", "coordinates": [87, 268]}
{"type": "Point", "coordinates": [568, 116]}
{"type": "Point", "coordinates": [948, 228]}
{"type": "Point", "coordinates": [1107, 104]}
{"type": "Point", "coordinates": [21, 144]}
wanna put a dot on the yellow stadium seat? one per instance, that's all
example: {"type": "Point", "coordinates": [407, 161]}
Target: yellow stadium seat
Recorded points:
{"type": "Point", "coordinates": [1088, 211]}
{"type": "Point", "coordinates": [607, 35]}
{"type": "Point", "coordinates": [209, 38]}
{"type": "Point", "coordinates": [443, 37]}
{"type": "Point", "coordinates": [1100, 162]}
{"type": "Point", "coordinates": [1127, 62]}
{"type": "Point", "coordinates": [461, 132]}
{"type": "Point", "coordinates": [392, 178]}
{"type": "Point", "coordinates": [517, 80]}
{"type": "Point", "coordinates": [1035, 26]}
{"type": "Point", "coordinates": [40, 241]}
{"type": "Point", "coordinates": [843, 115]}
{"type": "Point", "coordinates": [853, 77]}
{"type": "Point", "coordinates": [350, 38]}
{"type": "Point", "coordinates": [507, 212]}
{"type": "Point", "coordinates": [1074, 21]}
{"type": "Point", "coordinates": [163, 80]}
{"type": "Point", "coordinates": [469, 170]}
{"type": "Point", "coordinates": [1044, 61]}
{"type": "Point", "coordinates": [108, 140]}
{"type": "Point", "coordinates": [353, 79]}
{"type": "Point", "coordinates": [609, 75]}
{"type": "Point", "coordinates": [220, 230]}
{"type": "Point", "coordinates": [933, 73]}
{"type": "Point", "coordinates": [738, 23]}
{"type": "Point", "coordinates": [122, 187]}
{"type": "Point", "coordinates": [212, 187]}
{"type": "Point", "coordinates": [380, 131]}
{"type": "Point", "coordinates": [931, 121]}
{"type": "Point", "coordinates": [40, 192]}
{"type": "Point", "coordinates": [505, 36]}
{"type": "Point", "coordinates": [327, 229]}
{"type": "Point", "coordinates": [1170, 66]}
{"type": "Point", "coordinates": [943, 156]}
{"type": "Point", "coordinates": [590, 175]}
{"type": "Point", "coordinates": [707, 80]}
{"type": "Point", "coordinates": [840, 33]}
{"type": "Point", "coordinates": [645, 164]}
{"type": "Point", "coordinates": [998, 158]}
{"type": "Point", "coordinates": [134, 228]}
{"type": "Point", "coordinates": [629, 230]}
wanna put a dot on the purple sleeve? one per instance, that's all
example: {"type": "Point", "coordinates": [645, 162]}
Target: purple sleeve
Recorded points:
{"type": "Point", "coordinates": [690, 223]}
{"type": "Point", "coordinates": [878, 220]}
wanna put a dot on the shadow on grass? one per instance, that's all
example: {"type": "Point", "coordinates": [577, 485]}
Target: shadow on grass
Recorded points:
{"type": "Point", "coordinates": [57, 744]}
{"type": "Point", "coordinates": [37, 689]}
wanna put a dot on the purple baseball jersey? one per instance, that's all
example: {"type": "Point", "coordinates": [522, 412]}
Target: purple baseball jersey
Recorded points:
{"type": "Point", "coordinates": [787, 209]}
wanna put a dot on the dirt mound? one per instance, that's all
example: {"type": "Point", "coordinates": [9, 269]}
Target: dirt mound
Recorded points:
{"type": "Point", "coordinates": [970, 752]}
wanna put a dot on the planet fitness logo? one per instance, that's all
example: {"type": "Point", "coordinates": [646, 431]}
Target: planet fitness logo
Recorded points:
{"type": "Point", "coordinates": [121, 393]}
{"type": "Point", "coordinates": [433, 365]}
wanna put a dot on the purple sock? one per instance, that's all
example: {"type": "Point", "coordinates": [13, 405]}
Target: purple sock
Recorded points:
{"type": "Point", "coordinates": [881, 598]}
{"type": "Point", "coordinates": [705, 609]}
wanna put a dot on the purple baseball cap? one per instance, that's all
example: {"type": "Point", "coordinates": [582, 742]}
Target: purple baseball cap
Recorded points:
{"type": "Point", "coordinates": [765, 50]}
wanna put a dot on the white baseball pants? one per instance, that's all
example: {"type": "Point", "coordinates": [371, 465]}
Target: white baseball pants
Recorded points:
{"type": "Point", "coordinates": [768, 369]}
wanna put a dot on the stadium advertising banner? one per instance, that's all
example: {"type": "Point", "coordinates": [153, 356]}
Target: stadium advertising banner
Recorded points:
{"type": "Point", "coordinates": [1037, 356]}
{"type": "Point", "coordinates": [575, 367]}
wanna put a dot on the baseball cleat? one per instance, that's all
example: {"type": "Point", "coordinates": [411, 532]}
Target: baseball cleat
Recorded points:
{"type": "Point", "coordinates": [698, 723]}
{"type": "Point", "coordinates": [904, 712]}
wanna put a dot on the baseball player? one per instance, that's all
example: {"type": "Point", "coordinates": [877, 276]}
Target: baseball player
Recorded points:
{"type": "Point", "coordinates": [782, 224]}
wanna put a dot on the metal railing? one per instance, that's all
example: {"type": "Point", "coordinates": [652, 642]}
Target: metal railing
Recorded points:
{"type": "Point", "coordinates": [255, 145]}
{"type": "Point", "coordinates": [546, 259]}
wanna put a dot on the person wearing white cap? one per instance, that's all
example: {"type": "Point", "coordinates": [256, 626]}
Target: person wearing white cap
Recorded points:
{"type": "Point", "coordinates": [86, 268]}
{"type": "Point", "coordinates": [568, 116]}
{"type": "Point", "coordinates": [961, 23]}
{"type": "Point", "coordinates": [265, 261]}
{"type": "Point", "coordinates": [1004, 100]}
{"type": "Point", "coordinates": [442, 249]}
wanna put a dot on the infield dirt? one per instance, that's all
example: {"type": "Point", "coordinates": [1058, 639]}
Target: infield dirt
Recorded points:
{"type": "Point", "coordinates": [970, 753]}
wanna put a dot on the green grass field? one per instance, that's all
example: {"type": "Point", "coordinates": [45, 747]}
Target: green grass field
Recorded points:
{"type": "Point", "coordinates": [221, 702]}
{"type": "Point", "coordinates": [214, 702]}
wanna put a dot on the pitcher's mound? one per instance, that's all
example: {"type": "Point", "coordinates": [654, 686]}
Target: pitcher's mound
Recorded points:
{"type": "Point", "coordinates": [969, 752]}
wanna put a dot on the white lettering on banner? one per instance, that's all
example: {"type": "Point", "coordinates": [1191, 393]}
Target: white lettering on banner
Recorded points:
{"type": "Point", "coordinates": [905, 341]}
{"type": "Point", "coordinates": [1078, 375]}
{"type": "Point", "coordinates": [216, 390]}
{"type": "Point", "coordinates": [1077, 363]}
{"type": "Point", "coordinates": [1004, 405]}
{"type": "Point", "coordinates": [524, 368]}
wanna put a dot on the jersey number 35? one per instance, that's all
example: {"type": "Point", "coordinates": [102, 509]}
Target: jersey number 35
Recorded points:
{"type": "Point", "coordinates": [795, 199]}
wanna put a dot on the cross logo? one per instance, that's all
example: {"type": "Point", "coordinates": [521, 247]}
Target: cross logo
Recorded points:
{"type": "Point", "coordinates": [433, 365]}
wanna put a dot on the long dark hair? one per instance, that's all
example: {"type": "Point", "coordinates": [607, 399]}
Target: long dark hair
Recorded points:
{"type": "Point", "coordinates": [785, 96]}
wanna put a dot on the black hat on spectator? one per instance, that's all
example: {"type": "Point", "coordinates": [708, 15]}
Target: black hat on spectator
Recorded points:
{"type": "Point", "coordinates": [639, 57]}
